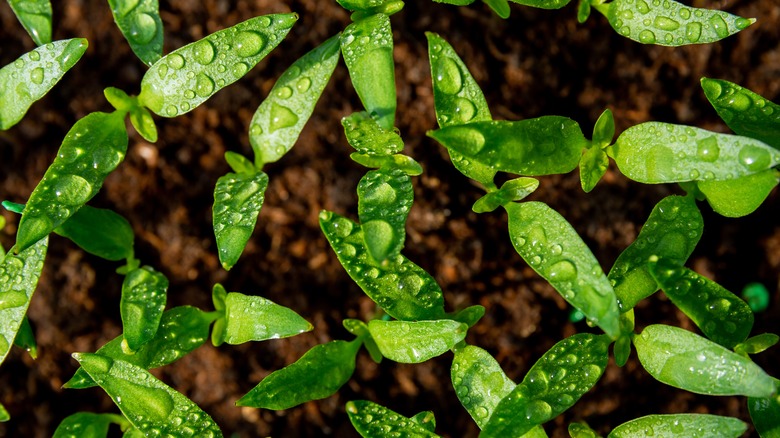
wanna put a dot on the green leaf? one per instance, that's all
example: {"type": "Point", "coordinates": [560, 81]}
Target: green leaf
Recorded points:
{"type": "Point", "coordinates": [119, 99]}
{"type": "Point", "coordinates": [403, 289]}
{"type": "Point", "coordinates": [133, 433]}
{"type": "Point", "coordinates": [151, 406]}
{"type": "Point", "coordinates": [656, 152]}
{"type": "Point", "coordinates": [741, 196]}
{"type": "Point", "coordinates": [582, 430]}
{"type": "Point", "coordinates": [670, 23]}
{"type": "Point", "coordinates": [469, 316]}
{"type": "Point", "coordinates": [237, 202]}
{"type": "Point", "coordinates": [672, 231]}
{"type": "Point", "coordinates": [367, 137]}
{"type": "Point", "coordinates": [500, 7]}
{"type": "Point", "coordinates": [360, 329]}
{"type": "Point", "coordinates": [144, 293]}
{"type": "Point", "coordinates": [187, 77]}
{"type": "Point", "coordinates": [279, 120]}
{"type": "Point", "coordinates": [512, 190]}
{"type": "Point", "coordinates": [622, 347]}
{"type": "Point", "coordinates": [583, 11]}
{"type": "Point", "coordinates": [416, 341]}
{"type": "Point", "coordinates": [555, 382]}
{"type": "Point", "coordinates": [688, 361]}
{"type": "Point", "coordinates": [543, 146]}
{"type": "Point", "coordinates": [457, 99]}
{"type": "Point", "coordinates": [765, 413]}
{"type": "Point", "coordinates": [18, 277]}
{"type": "Point", "coordinates": [367, 45]}
{"type": "Point", "coordinates": [385, 197]}
{"type": "Point", "coordinates": [543, 4]}
{"type": "Point", "coordinates": [33, 74]}
{"type": "Point", "coordinates": [143, 123]}
{"type": "Point", "coordinates": [398, 161]}
{"type": "Point", "coordinates": [425, 419]}
{"type": "Point", "coordinates": [373, 420]}
{"type": "Point", "coordinates": [722, 316]}
{"type": "Point", "coordinates": [757, 344]}
{"type": "Point", "coordinates": [317, 374]}
{"type": "Point", "coordinates": [604, 130]}
{"type": "Point", "coordinates": [88, 425]}
{"type": "Point", "coordinates": [25, 339]}
{"type": "Point", "coordinates": [744, 111]}
{"type": "Point", "coordinates": [253, 318]}
{"type": "Point", "coordinates": [35, 16]}
{"type": "Point", "coordinates": [456, 2]}
{"type": "Point", "coordinates": [688, 425]}
{"type": "Point", "coordinates": [593, 166]}
{"type": "Point", "coordinates": [239, 163]}
{"type": "Point", "coordinates": [551, 246]}
{"type": "Point", "coordinates": [92, 149]}
{"type": "Point", "coordinates": [99, 231]}
{"type": "Point", "coordinates": [479, 382]}
{"type": "Point", "coordinates": [4, 416]}
{"type": "Point", "coordinates": [142, 27]}
{"type": "Point", "coordinates": [182, 330]}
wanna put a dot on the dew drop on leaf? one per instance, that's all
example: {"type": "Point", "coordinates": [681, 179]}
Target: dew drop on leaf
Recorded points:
{"type": "Point", "coordinates": [72, 189]}
{"type": "Point", "coordinates": [36, 76]}
{"type": "Point", "coordinates": [665, 23]}
{"type": "Point", "coordinates": [204, 85]}
{"type": "Point", "coordinates": [647, 37]}
{"type": "Point", "coordinates": [693, 31]}
{"type": "Point", "coordinates": [754, 158]}
{"type": "Point", "coordinates": [719, 26]}
{"type": "Point", "coordinates": [538, 411]}
{"type": "Point", "coordinates": [204, 52]}
{"type": "Point", "coordinates": [175, 61]}
{"type": "Point", "coordinates": [708, 149]}
{"type": "Point", "coordinates": [248, 44]}
{"type": "Point", "coordinates": [448, 77]}
{"type": "Point", "coordinates": [281, 117]}
{"type": "Point", "coordinates": [144, 28]}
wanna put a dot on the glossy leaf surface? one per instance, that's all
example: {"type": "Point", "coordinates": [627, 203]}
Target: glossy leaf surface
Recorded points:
{"type": "Point", "coordinates": [317, 374]}
{"type": "Point", "coordinates": [367, 137]}
{"type": "Point", "coordinates": [142, 27]}
{"type": "Point", "coordinates": [655, 152]}
{"type": "Point", "coordinates": [385, 197]}
{"type": "Point", "coordinates": [237, 202]}
{"type": "Point", "coordinates": [500, 7]}
{"type": "Point", "coordinates": [87, 425]}
{"type": "Point", "coordinates": [551, 246]}
{"type": "Point", "coordinates": [593, 165]}
{"type": "Point", "coordinates": [479, 382]}
{"type": "Point", "coordinates": [543, 4]}
{"type": "Point", "coordinates": [99, 231]}
{"type": "Point", "coordinates": [151, 406]}
{"type": "Point", "coordinates": [581, 430]}
{"type": "Point", "coordinates": [511, 191]}
{"type": "Point", "coordinates": [741, 196]}
{"type": "Point", "coordinates": [416, 341]}
{"type": "Point", "coordinates": [604, 130]}
{"type": "Point", "coordinates": [757, 344]}
{"type": "Point", "coordinates": [688, 361]}
{"type": "Point", "coordinates": [279, 120]}
{"type": "Point", "coordinates": [18, 277]}
{"type": "Point", "coordinates": [373, 420]}
{"type": "Point", "coordinates": [672, 231]}
{"type": "Point", "coordinates": [469, 316]}
{"type": "Point", "coordinates": [25, 338]}
{"type": "Point", "coordinates": [144, 293]}
{"type": "Point", "coordinates": [35, 16]}
{"type": "Point", "coordinates": [253, 318]}
{"type": "Point", "coordinates": [33, 74]}
{"type": "Point", "coordinates": [185, 78]}
{"type": "Point", "coordinates": [543, 146]}
{"type": "Point", "coordinates": [674, 425]}
{"type": "Point", "coordinates": [555, 382]}
{"type": "Point", "coordinates": [403, 289]}
{"type": "Point", "coordinates": [360, 329]}
{"type": "Point", "coordinates": [765, 414]}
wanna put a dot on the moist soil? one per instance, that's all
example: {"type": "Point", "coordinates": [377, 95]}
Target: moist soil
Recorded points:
{"type": "Point", "coordinates": [535, 63]}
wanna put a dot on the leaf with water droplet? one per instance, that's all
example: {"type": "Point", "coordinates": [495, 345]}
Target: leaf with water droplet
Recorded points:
{"type": "Point", "coordinates": [237, 202]}
{"type": "Point", "coordinates": [722, 316]}
{"type": "Point", "coordinates": [756, 344]}
{"type": "Point", "coordinates": [403, 289]}
{"type": "Point", "coordinates": [688, 361]}
{"type": "Point", "coordinates": [555, 382]}
{"type": "Point", "coordinates": [150, 405]}
{"type": "Point", "coordinates": [457, 99]}
{"type": "Point", "coordinates": [144, 293]}
{"type": "Point", "coordinates": [622, 347]}
{"type": "Point", "coordinates": [18, 277]}
{"type": "Point", "coordinates": [367, 46]}
{"type": "Point", "coordinates": [25, 338]}
{"type": "Point", "coordinates": [543, 4]}
{"type": "Point", "coordinates": [604, 130]}
{"type": "Point", "coordinates": [385, 197]}
{"type": "Point", "coordinates": [33, 74]}
{"type": "Point", "coordinates": [182, 330]}
{"type": "Point", "coordinates": [593, 166]}
{"type": "Point", "coordinates": [551, 246]}
{"type": "Point", "coordinates": [372, 420]}
{"type": "Point", "coordinates": [360, 329]}
{"type": "Point", "coordinates": [416, 341]}
{"type": "Point", "coordinates": [479, 382]}
{"type": "Point", "coordinates": [581, 430]}
{"type": "Point", "coordinates": [672, 231]}
{"type": "Point", "coordinates": [188, 76]}
{"type": "Point", "coordinates": [99, 231]}
{"type": "Point", "coordinates": [367, 137]}
{"type": "Point", "coordinates": [88, 425]}
{"type": "Point", "coordinates": [688, 425]}
{"type": "Point", "coordinates": [513, 190]}
{"type": "Point", "coordinates": [140, 23]}
{"type": "Point", "coordinates": [398, 161]}
{"type": "Point", "coordinates": [655, 152]}
{"type": "Point", "coordinates": [670, 23]}
{"type": "Point", "coordinates": [279, 120]}
{"type": "Point", "coordinates": [542, 146]}
{"type": "Point", "coordinates": [35, 16]}
{"type": "Point", "coordinates": [740, 196]}
{"type": "Point", "coordinates": [316, 375]}
{"type": "Point", "coordinates": [469, 316]}
{"type": "Point", "coordinates": [765, 414]}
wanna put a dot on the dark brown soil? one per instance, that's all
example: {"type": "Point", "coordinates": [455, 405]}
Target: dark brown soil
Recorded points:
{"type": "Point", "coordinates": [535, 63]}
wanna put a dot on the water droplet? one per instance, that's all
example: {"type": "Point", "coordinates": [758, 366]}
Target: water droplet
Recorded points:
{"type": "Point", "coordinates": [36, 76]}
{"type": "Point", "coordinates": [303, 84]}
{"type": "Point", "coordinates": [248, 44]}
{"type": "Point", "coordinates": [72, 190]}
{"type": "Point", "coordinates": [256, 129]}
{"type": "Point", "coordinates": [538, 411]}
{"type": "Point", "coordinates": [481, 412]}
{"type": "Point", "coordinates": [239, 69]}
{"type": "Point", "coordinates": [342, 226]}
{"type": "Point", "coordinates": [537, 382]}
{"type": "Point", "coordinates": [347, 250]}
{"type": "Point", "coordinates": [4, 346]}
{"type": "Point", "coordinates": [708, 149]}
{"type": "Point", "coordinates": [719, 26]}
{"type": "Point", "coordinates": [665, 23]}
{"type": "Point", "coordinates": [281, 117]}
{"type": "Point", "coordinates": [570, 359]}
{"type": "Point", "coordinates": [175, 61]}
{"type": "Point", "coordinates": [685, 13]}
{"type": "Point", "coordinates": [754, 158]}
{"type": "Point", "coordinates": [204, 85]}
{"type": "Point", "coordinates": [144, 28]}
{"type": "Point", "coordinates": [642, 6]}
{"type": "Point", "coordinates": [11, 299]}
{"type": "Point", "coordinates": [693, 31]}
{"type": "Point", "coordinates": [742, 23]}
{"type": "Point", "coordinates": [646, 37]}
{"type": "Point", "coordinates": [284, 92]}
{"type": "Point", "coordinates": [204, 52]}
{"type": "Point", "coordinates": [563, 270]}
{"type": "Point", "coordinates": [447, 75]}
{"type": "Point", "coordinates": [465, 110]}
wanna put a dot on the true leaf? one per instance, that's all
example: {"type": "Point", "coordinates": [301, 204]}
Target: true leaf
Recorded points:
{"type": "Point", "coordinates": [143, 123]}
{"type": "Point", "coordinates": [688, 425]}
{"type": "Point", "coordinates": [373, 420]}
{"type": "Point", "coordinates": [765, 413]}
{"type": "Point", "coordinates": [511, 191]}
{"type": "Point", "coordinates": [239, 163]}
{"type": "Point", "coordinates": [142, 27]}
{"type": "Point", "coordinates": [593, 165]}
{"type": "Point", "coordinates": [398, 161]}
{"type": "Point", "coordinates": [469, 316]}
{"type": "Point", "coordinates": [500, 7]}
{"type": "Point", "coordinates": [384, 199]}
{"type": "Point", "coordinates": [416, 341]}
{"type": "Point", "coordinates": [581, 430]}
{"type": "Point", "coordinates": [622, 346]}
{"type": "Point", "coordinates": [367, 137]}
{"type": "Point", "coordinates": [25, 338]}
{"type": "Point", "coordinates": [740, 196]}
{"type": "Point", "coordinates": [253, 318]}
{"type": "Point", "coordinates": [144, 293]}
{"type": "Point", "coordinates": [360, 329]}
{"type": "Point", "coordinates": [99, 231]}
{"type": "Point", "coordinates": [479, 382]}
{"type": "Point", "coordinates": [35, 16]}
{"type": "Point", "coordinates": [87, 425]}
{"type": "Point", "coordinates": [4, 416]}
{"type": "Point", "coordinates": [757, 344]}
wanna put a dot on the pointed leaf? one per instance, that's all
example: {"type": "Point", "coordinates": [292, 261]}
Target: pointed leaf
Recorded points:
{"type": "Point", "coordinates": [237, 202]}
{"type": "Point", "coordinates": [604, 130]}
{"type": "Point", "coordinates": [144, 293]}
{"type": "Point", "coordinates": [143, 123]}
{"type": "Point", "coordinates": [757, 344]}
{"type": "Point", "coordinates": [479, 382]}
{"type": "Point", "coordinates": [373, 420]}
{"type": "Point", "coordinates": [741, 196]}
{"type": "Point", "coordinates": [593, 165]}
{"type": "Point", "coordinates": [688, 425]}
{"type": "Point", "coordinates": [252, 318]}
{"type": "Point", "coordinates": [87, 425]}
{"type": "Point", "coordinates": [141, 26]}
{"type": "Point", "coordinates": [25, 339]}
{"type": "Point", "coordinates": [416, 341]}
{"type": "Point", "coordinates": [385, 197]}
{"type": "Point", "coordinates": [500, 7]}
{"type": "Point", "coordinates": [99, 231]}
{"type": "Point", "coordinates": [35, 16]}
{"type": "Point", "coordinates": [511, 191]}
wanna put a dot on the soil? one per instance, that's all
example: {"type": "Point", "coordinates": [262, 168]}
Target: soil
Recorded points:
{"type": "Point", "coordinates": [535, 63]}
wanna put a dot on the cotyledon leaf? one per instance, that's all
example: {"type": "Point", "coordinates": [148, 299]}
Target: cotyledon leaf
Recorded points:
{"type": "Point", "coordinates": [685, 360]}
{"type": "Point", "coordinates": [740, 196]}
{"type": "Point", "coordinates": [655, 152]}
{"type": "Point", "coordinates": [367, 46]}
{"type": "Point", "coordinates": [185, 78]}
{"type": "Point", "coordinates": [457, 99]}
{"type": "Point", "coordinates": [144, 293]}
{"type": "Point", "coordinates": [99, 231]}
{"type": "Point", "coordinates": [479, 382]}
{"type": "Point", "coordinates": [35, 16]}
{"type": "Point", "coordinates": [384, 199]}
{"type": "Point", "coordinates": [765, 414]}
{"type": "Point", "coordinates": [688, 425]}
{"type": "Point", "coordinates": [722, 316]}
{"type": "Point", "coordinates": [744, 111]}
{"type": "Point", "coordinates": [182, 330]}
{"type": "Point", "coordinates": [151, 406]}
{"type": "Point", "coordinates": [416, 341]}
{"type": "Point", "coordinates": [91, 150]}
{"type": "Point", "coordinates": [672, 231]}
{"type": "Point", "coordinates": [237, 202]}
{"type": "Point", "coordinates": [33, 74]}
{"type": "Point", "coordinates": [373, 420]}
{"type": "Point", "coordinates": [279, 120]}
{"type": "Point", "coordinates": [555, 382]}
{"type": "Point", "coordinates": [88, 425]}
{"type": "Point", "coordinates": [367, 137]}
{"type": "Point", "coordinates": [141, 25]}
{"type": "Point", "coordinates": [403, 289]}
{"type": "Point", "coordinates": [253, 318]}
{"type": "Point", "coordinates": [542, 146]}
{"type": "Point", "coordinates": [18, 277]}
{"type": "Point", "coordinates": [551, 246]}
{"type": "Point", "coordinates": [317, 374]}
{"type": "Point", "coordinates": [670, 23]}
